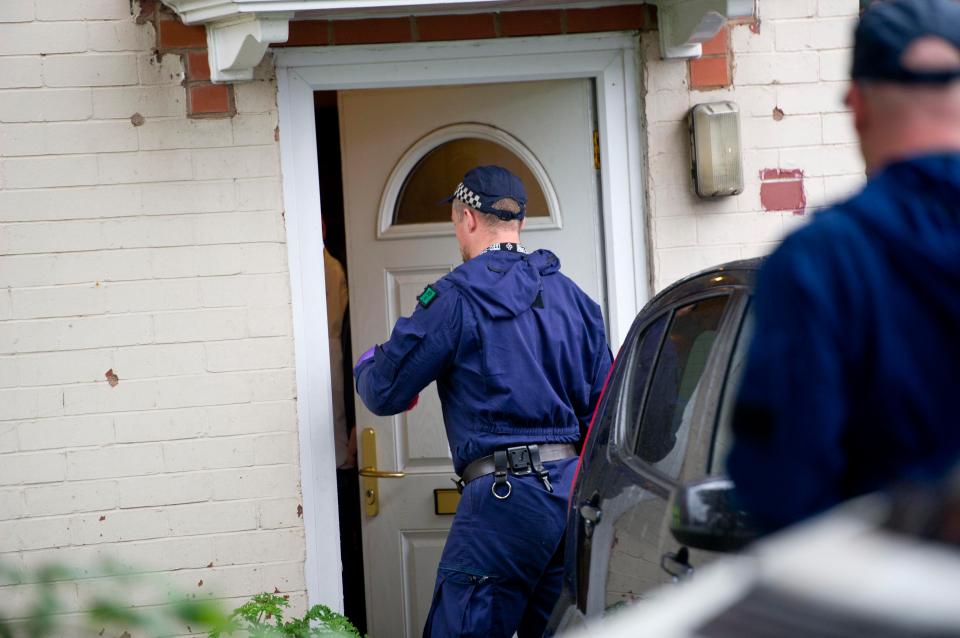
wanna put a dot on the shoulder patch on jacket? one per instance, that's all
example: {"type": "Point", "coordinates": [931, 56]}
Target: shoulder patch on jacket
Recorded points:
{"type": "Point", "coordinates": [427, 296]}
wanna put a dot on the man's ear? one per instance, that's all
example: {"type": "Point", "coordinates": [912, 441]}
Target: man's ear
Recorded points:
{"type": "Point", "coordinates": [472, 221]}
{"type": "Point", "coordinates": [857, 102]}
{"type": "Point", "coordinates": [523, 224]}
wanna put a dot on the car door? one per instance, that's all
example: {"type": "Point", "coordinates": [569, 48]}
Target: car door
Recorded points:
{"type": "Point", "coordinates": [654, 430]}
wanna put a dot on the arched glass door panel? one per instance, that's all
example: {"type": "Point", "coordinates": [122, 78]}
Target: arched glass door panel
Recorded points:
{"type": "Point", "coordinates": [412, 203]}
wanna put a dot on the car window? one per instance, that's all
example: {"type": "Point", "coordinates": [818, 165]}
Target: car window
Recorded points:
{"type": "Point", "coordinates": [664, 425]}
{"type": "Point", "coordinates": [731, 387]}
{"type": "Point", "coordinates": [640, 365]}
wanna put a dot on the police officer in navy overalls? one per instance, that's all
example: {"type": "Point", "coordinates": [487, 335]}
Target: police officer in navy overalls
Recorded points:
{"type": "Point", "coordinates": [520, 356]}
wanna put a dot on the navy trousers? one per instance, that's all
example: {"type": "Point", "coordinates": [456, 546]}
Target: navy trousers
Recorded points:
{"type": "Point", "coordinates": [502, 567]}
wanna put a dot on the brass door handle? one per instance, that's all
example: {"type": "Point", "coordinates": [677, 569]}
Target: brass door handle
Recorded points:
{"type": "Point", "coordinates": [370, 473]}
{"type": "Point", "coordinates": [373, 472]}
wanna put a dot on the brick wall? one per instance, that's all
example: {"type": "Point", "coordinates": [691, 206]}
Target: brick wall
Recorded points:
{"type": "Point", "coordinates": [203, 97]}
{"type": "Point", "coordinates": [147, 408]}
{"type": "Point", "coordinates": [788, 73]}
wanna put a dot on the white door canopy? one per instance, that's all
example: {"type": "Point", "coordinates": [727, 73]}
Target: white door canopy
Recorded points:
{"type": "Point", "coordinates": [239, 31]}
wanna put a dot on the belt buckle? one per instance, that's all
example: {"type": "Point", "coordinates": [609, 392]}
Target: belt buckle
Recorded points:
{"type": "Point", "coordinates": [519, 460]}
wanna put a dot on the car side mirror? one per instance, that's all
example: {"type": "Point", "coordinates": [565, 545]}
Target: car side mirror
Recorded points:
{"type": "Point", "coordinates": [705, 516]}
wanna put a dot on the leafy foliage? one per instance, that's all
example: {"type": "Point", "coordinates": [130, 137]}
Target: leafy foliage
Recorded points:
{"type": "Point", "coordinates": [262, 617]}
{"type": "Point", "coordinates": [48, 607]}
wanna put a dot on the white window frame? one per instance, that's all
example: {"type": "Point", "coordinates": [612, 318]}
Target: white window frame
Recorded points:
{"type": "Point", "coordinates": [609, 59]}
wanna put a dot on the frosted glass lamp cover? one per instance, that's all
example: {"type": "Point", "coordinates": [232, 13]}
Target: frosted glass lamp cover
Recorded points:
{"type": "Point", "coordinates": [716, 152]}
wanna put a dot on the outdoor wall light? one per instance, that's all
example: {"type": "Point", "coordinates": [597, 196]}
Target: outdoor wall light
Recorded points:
{"type": "Point", "coordinates": [715, 140]}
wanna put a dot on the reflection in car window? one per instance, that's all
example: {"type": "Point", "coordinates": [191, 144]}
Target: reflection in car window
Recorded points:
{"type": "Point", "coordinates": [633, 567]}
{"type": "Point", "coordinates": [642, 358]}
{"type": "Point", "coordinates": [667, 412]}
{"type": "Point", "coordinates": [724, 432]}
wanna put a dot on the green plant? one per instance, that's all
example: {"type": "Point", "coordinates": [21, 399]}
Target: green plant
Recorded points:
{"type": "Point", "coordinates": [106, 610]}
{"type": "Point", "coordinates": [48, 602]}
{"type": "Point", "coordinates": [262, 617]}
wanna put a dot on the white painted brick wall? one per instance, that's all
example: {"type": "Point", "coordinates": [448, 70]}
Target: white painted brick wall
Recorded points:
{"type": "Point", "coordinates": [16, 11]}
{"type": "Point", "coordinates": [798, 63]}
{"type": "Point", "coordinates": [817, 33]}
{"type": "Point", "coordinates": [158, 252]}
{"type": "Point", "coordinates": [20, 72]}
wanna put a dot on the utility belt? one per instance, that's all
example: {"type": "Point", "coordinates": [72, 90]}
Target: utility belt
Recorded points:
{"type": "Point", "coordinates": [520, 460]}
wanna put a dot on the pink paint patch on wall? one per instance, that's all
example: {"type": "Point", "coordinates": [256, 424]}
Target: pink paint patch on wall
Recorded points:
{"type": "Point", "coordinates": [770, 174]}
{"type": "Point", "coordinates": [782, 190]}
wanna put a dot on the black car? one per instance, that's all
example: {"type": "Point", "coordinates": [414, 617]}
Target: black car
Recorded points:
{"type": "Point", "coordinates": [662, 421]}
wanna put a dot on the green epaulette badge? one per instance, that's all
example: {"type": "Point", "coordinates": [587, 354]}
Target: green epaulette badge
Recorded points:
{"type": "Point", "coordinates": [427, 296]}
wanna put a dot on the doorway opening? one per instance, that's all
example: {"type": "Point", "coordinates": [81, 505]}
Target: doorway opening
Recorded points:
{"type": "Point", "coordinates": [336, 274]}
{"type": "Point", "coordinates": [610, 61]}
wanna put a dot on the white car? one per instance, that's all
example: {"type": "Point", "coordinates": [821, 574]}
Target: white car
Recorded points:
{"type": "Point", "coordinates": [882, 566]}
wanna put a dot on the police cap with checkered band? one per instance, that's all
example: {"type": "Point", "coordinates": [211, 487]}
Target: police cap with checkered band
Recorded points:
{"type": "Point", "coordinates": [484, 186]}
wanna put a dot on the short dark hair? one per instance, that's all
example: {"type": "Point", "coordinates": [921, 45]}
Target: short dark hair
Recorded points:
{"type": "Point", "coordinates": [489, 220]}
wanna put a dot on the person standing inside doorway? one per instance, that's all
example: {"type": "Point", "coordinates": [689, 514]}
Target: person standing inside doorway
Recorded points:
{"type": "Point", "coordinates": [344, 438]}
{"type": "Point", "coordinates": [852, 376]}
{"type": "Point", "coordinates": [520, 355]}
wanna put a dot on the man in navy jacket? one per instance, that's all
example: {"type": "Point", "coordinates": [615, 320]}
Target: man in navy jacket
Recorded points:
{"type": "Point", "coordinates": [853, 375]}
{"type": "Point", "coordinates": [520, 356]}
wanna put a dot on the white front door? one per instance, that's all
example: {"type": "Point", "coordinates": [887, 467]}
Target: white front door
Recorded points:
{"type": "Point", "coordinates": [399, 240]}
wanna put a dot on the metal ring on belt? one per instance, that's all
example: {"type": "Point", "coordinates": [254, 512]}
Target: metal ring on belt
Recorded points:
{"type": "Point", "coordinates": [493, 488]}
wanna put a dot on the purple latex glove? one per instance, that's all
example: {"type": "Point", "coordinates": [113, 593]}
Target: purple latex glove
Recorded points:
{"type": "Point", "coordinates": [364, 357]}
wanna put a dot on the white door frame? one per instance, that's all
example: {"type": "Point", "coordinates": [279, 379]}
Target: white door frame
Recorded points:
{"type": "Point", "coordinates": [610, 59]}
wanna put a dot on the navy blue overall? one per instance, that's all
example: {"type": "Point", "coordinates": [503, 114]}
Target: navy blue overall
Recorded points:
{"type": "Point", "coordinates": [851, 381]}
{"type": "Point", "coordinates": [519, 354]}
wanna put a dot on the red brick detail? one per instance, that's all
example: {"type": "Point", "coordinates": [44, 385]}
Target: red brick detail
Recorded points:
{"type": "Point", "coordinates": [719, 44]}
{"type": "Point", "coordinates": [205, 99]}
{"type": "Point", "coordinates": [518, 23]}
{"type": "Point", "coordinates": [198, 66]}
{"type": "Point", "coordinates": [752, 22]}
{"type": "Point", "coordinates": [148, 9]}
{"type": "Point", "coordinates": [782, 190]}
{"type": "Point", "coordinates": [707, 73]}
{"type": "Point", "coordinates": [373, 31]}
{"type": "Point", "coordinates": [431, 28]}
{"type": "Point", "coordinates": [307, 33]}
{"type": "Point", "coordinates": [622, 18]}
{"type": "Point", "coordinates": [652, 16]}
{"type": "Point", "coordinates": [173, 34]}
{"type": "Point", "coordinates": [456, 27]}
{"type": "Point", "coordinates": [713, 69]}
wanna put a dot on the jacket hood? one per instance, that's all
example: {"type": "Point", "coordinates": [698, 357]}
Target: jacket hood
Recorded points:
{"type": "Point", "coordinates": [504, 284]}
{"type": "Point", "coordinates": [922, 229]}
{"type": "Point", "coordinates": [911, 209]}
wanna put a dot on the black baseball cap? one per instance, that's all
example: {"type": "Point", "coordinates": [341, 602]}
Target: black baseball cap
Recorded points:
{"type": "Point", "coordinates": [888, 28]}
{"type": "Point", "coordinates": [484, 186]}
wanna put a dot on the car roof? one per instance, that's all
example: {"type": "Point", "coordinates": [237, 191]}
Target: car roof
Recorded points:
{"type": "Point", "coordinates": [741, 272]}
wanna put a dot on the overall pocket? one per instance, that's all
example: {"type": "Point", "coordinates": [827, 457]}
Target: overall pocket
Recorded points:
{"type": "Point", "coordinates": [464, 604]}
